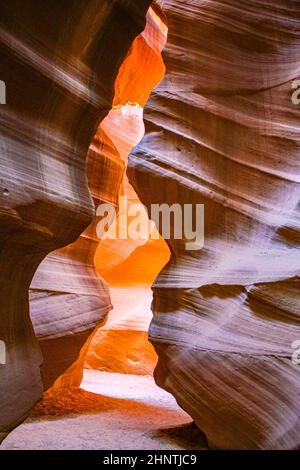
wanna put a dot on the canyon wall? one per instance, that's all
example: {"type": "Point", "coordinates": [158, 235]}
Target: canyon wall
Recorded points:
{"type": "Point", "coordinates": [129, 262]}
{"type": "Point", "coordinates": [68, 297]}
{"type": "Point", "coordinates": [221, 130]}
{"type": "Point", "coordinates": [59, 63]}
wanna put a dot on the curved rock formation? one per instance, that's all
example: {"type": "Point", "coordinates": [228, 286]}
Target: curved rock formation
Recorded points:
{"type": "Point", "coordinates": [221, 130]}
{"type": "Point", "coordinates": [59, 63]}
{"type": "Point", "coordinates": [128, 264]}
{"type": "Point", "coordinates": [68, 298]}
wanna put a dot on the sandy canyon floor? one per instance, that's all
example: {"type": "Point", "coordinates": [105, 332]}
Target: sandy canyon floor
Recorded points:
{"type": "Point", "coordinates": [110, 412]}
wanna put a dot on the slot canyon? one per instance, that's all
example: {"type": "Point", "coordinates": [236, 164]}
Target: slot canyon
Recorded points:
{"type": "Point", "coordinates": [118, 340]}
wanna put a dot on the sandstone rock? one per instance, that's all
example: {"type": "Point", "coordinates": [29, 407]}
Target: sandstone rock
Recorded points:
{"type": "Point", "coordinates": [122, 345]}
{"type": "Point", "coordinates": [59, 63]}
{"type": "Point", "coordinates": [129, 264]}
{"type": "Point", "coordinates": [221, 130]}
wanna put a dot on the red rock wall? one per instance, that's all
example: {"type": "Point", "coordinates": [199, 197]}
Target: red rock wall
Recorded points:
{"type": "Point", "coordinates": [221, 130]}
{"type": "Point", "coordinates": [128, 265]}
{"type": "Point", "coordinates": [59, 63]}
{"type": "Point", "coordinates": [68, 298]}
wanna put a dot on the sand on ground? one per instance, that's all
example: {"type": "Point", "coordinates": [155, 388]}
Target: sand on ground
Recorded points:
{"type": "Point", "coordinates": [110, 412]}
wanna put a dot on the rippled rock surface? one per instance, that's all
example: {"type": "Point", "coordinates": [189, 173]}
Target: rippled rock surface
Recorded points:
{"type": "Point", "coordinates": [221, 130]}
{"type": "Point", "coordinates": [59, 62]}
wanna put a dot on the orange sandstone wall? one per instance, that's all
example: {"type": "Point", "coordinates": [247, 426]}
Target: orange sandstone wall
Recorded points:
{"type": "Point", "coordinates": [221, 130]}
{"type": "Point", "coordinates": [129, 266]}
{"type": "Point", "coordinates": [59, 61]}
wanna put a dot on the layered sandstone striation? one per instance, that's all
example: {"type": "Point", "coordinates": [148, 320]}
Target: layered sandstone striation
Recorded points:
{"type": "Point", "coordinates": [221, 130]}
{"type": "Point", "coordinates": [59, 63]}
{"type": "Point", "coordinates": [127, 259]}
{"type": "Point", "coordinates": [68, 298]}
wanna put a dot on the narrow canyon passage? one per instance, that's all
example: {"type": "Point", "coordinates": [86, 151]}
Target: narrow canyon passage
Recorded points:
{"type": "Point", "coordinates": [118, 403]}
{"type": "Point", "coordinates": [113, 410]}
{"type": "Point", "coordinates": [118, 395]}
{"type": "Point", "coordinates": [113, 334]}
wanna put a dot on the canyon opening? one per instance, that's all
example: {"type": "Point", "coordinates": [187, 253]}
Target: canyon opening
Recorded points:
{"type": "Point", "coordinates": [149, 226]}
